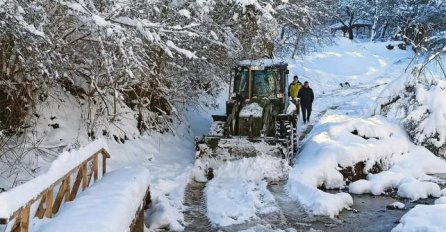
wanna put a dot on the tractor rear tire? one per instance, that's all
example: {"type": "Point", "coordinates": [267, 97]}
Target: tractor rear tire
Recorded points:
{"type": "Point", "coordinates": [286, 130]}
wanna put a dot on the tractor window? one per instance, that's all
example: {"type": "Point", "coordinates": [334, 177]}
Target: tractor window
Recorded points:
{"type": "Point", "coordinates": [241, 83]}
{"type": "Point", "coordinates": [264, 83]}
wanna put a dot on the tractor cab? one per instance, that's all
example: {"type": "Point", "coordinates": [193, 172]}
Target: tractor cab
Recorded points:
{"type": "Point", "coordinates": [257, 94]}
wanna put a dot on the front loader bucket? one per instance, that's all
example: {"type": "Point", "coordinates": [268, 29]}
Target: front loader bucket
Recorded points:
{"type": "Point", "coordinates": [239, 147]}
{"type": "Point", "coordinates": [212, 151]}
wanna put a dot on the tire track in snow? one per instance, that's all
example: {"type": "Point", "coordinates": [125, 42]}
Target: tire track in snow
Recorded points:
{"type": "Point", "coordinates": [195, 215]}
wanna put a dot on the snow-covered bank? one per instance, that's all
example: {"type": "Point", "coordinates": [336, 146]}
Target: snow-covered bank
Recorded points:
{"type": "Point", "coordinates": [340, 141]}
{"type": "Point", "coordinates": [408, 174]}
{"type": "Point", "coordinates": [336, 143]}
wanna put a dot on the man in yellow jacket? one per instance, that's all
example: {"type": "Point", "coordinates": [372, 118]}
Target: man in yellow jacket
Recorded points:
{"type": "Point", "coordinates": [294, 88]}
{"type": "Point", "coordinates": [293, 92]}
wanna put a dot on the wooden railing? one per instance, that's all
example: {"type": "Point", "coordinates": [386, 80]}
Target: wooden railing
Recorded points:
{"type": "Point", "coordinates": [137, 224]}
{"type": "Point", "coordinates": [86, 171]}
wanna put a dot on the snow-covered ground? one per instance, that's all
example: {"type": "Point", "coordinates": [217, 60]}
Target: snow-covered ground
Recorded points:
{"type": "Point", "coordinates": [343, 133]}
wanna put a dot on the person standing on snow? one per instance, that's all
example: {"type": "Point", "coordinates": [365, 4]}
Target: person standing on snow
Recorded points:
{"type": "Point", "coordinates": [306, 96]}
{"type": "Point", "coordinates": [293, 90]}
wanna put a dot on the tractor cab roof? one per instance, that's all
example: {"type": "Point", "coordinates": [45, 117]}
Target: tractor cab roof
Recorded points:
{"type": "Point", "coordinates": [263, 63]}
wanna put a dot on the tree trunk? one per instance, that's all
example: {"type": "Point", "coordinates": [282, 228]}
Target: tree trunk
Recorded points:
{"type": "Point", "coordinates": [376, 15]}
{"type": "Point", "coordinates": [384, 29]}
{"type": "Point", "coordinates": [350, 32]}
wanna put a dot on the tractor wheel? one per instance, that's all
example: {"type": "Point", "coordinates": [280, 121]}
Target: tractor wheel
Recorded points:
{"type": "Point", "coordinates": [286, 130]}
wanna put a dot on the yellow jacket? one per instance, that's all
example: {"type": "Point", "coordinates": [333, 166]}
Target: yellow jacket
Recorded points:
{"type": "Point", "coordinates": [293, 89]}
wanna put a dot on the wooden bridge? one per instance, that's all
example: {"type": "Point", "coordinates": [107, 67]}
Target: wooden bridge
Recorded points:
{"type": "Point", "coordinates": [89, 174]}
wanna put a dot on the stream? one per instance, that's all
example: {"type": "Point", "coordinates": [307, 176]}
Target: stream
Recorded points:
{"type": "Point", "coordinates": [369, 213]}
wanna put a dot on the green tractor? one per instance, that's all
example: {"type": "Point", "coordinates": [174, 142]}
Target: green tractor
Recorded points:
{"type": "Point", "coordinates": [259, 119]}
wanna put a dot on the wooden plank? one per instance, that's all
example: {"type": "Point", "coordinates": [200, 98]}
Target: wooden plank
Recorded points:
{"type": "Point", "coordinates": [76, 184]}
{"type": "Point", "coordinates": [90, 176]}
{"type": "Point", "coordinates": [67, 189]}
{"type": "Point", "coordinates": [105, 153]}
{"type": "Point", "coordinates": [22, 223]}
{"type": "Point", "coordinates": [147, 199]}
{"type": "Point", "coordinates": [59, 197]}
{"type": "Point", "coordinates": [104, 164]}
{"type": "Point", "coordinates": [95, 168]}
{"type": "Point", "coordinates": [84, 176]}
{"type": "Point", "coordinates": [49, 203]}
{"type": "Point", "coordinates": [41, 210]}
{"type": "Point", "coordinates": [138, 223]}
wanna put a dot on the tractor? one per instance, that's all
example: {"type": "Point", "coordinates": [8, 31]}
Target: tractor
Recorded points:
{"type": "Point", "coordinates": [259, 118]}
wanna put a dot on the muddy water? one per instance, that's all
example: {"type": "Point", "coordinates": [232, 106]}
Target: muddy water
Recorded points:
{"type": "Point", "coordinates": [368, 213]}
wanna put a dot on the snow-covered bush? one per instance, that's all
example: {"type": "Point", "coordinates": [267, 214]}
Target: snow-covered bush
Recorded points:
{"type": "Point", "coordinates": [418, 101]}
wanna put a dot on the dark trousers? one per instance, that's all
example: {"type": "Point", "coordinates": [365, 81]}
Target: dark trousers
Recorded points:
{"type": "Point", "coordinates": [306, 112]}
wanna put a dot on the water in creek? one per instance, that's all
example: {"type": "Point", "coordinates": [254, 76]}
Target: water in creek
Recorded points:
{"type": "Point", "coordinates": [368, 213]}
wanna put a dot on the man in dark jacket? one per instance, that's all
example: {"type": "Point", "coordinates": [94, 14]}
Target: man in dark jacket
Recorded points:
{"type": "Point", "coordinates": [306, 96]}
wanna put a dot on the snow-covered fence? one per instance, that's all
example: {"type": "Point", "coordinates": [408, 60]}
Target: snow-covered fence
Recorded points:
{"type": "Point", "coordinates": [18, 204]}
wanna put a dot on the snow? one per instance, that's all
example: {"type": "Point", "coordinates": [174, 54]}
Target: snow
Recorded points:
{"type": "Point", "coordinates": [187, 53]}
{"type": "Point", "coordinates": [169, 158]}
{"type": "Point", "coordinates": [422, 111]}
{"type": "Point", "coordinates": [252, 109]}
{"type": "Point", "coordinates": [291, 108]}
{"type": "Point", "coordinates": [99, 21]}
{"type": "Point", "coordinates": [331, 145]}
{"type": "Point", "coordinates": [397, 205]}
{"type": "Point", "coordinates": [423, 218]}
{"type": "Point", "coordinates": [441, 200]}
{"type": "Point", "coordinates": [65, 162]}
{"type": "Point", "coordinates": [109, 205]}
{"type": "Point", "coordinates": [405, 174]}
{"type": "Point", "coordinates": [415, 190]}
{"type": "Point", "coordinates": [185, 13]}
{"type": "Point", "coordinates": [239, 193]}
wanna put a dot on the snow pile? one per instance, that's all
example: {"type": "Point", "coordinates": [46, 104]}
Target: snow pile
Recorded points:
{"type": "Point", "coordinates": [423, 218]}
{"type": "Point", "coordinates": [415, 190]}
{"type": "Point", "coordinates": [441, 200]}
{"type": "Point", "coordinates": [239, 191]}
{"type": "Point", "coordinates": [338, 142]}
{"type": "Point", "coordinates": [419, 103]}
{"type": "Point", "coordinates": [396, 205]}
{"type": "Point", "coordinates": [253, 109]}
{"type": "Point", "coordinates": [291, 108]}
{"type": "Point", "coordinates": [167, 204]}
{"type": "Point", "coordinates": [109, 205]}
{"type": "Point", "coordinates": [408, 173]}
{"type": "Point", "coordinates": [214, 154]}
{"type": "Point", "coordinates": [13, 199]}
